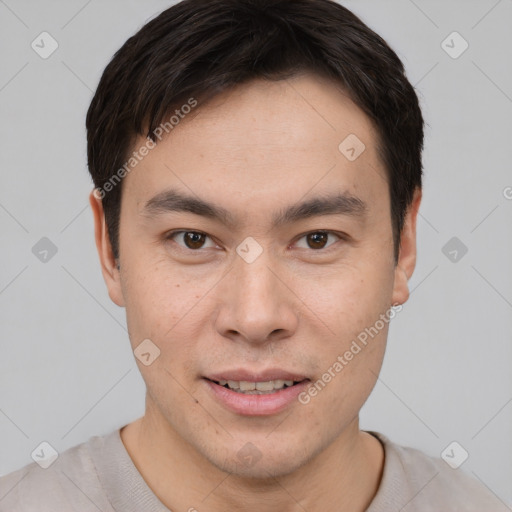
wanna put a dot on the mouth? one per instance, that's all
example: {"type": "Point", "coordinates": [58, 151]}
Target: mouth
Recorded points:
{"type": "Point", "coordinates": [257, 388]}
{"type": "Point", "coordinates": [250, 394]}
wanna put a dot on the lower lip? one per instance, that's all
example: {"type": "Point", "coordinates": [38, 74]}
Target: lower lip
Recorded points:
{"type": "Point", "coordinates": [256, 405]}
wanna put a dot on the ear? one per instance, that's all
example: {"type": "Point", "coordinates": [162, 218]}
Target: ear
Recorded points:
{"type": "Point", "coordinates": [407, 254]}
{"type": "Point", "coordinates": [109, 268]}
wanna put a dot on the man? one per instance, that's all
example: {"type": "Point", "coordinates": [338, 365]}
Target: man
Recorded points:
{"type": "Point", "coordinates": [257, 171]}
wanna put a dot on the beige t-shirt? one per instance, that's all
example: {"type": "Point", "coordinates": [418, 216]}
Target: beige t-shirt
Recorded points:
{"type": "Point", "coordinates": [99, 475]}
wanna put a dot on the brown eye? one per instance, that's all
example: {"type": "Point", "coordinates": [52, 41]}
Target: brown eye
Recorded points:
{"type": "Point", "coordinates": [193, 240]}
{"type": "Point", "coordinates": [318, 240]}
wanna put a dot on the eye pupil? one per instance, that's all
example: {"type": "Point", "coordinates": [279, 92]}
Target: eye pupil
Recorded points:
{"type": "Point", "coordinates": [318, 239]}
{"type": "Point", "coordinates": [194, 240]}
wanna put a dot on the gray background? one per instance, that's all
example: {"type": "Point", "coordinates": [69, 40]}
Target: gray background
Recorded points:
{"type": "Point", "coordinates": [66, 368]}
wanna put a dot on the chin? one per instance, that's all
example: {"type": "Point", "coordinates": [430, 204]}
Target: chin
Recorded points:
{"type": "Point", "coordinates": [265, 463]}
{"type": "Point", "coordinates": [263, 470]}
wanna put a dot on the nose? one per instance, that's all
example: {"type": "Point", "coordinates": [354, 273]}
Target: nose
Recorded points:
{"type": "Point", "coordinates": [257, 302]}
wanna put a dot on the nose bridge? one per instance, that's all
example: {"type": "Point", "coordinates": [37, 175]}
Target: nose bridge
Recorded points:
{"type": "Point", "coordinates": [255, 304]}
{"type": "Point", "coordinates": [255, 284]}
{"type": "Point", "coordinates": [254, 280]}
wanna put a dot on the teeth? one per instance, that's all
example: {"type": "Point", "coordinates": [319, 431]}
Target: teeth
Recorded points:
{"type": "Point", "coordinates": [265, 386]}
{"type": "Point", "coordinates": [249, 386]}
{"type": "Point", "coordinates": [254, 388]}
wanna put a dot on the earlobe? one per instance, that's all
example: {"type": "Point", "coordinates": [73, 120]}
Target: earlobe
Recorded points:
{"type": "Point", "coordinates": [109, 265]}
{"type": "Point", "coordinates": [407, 256]}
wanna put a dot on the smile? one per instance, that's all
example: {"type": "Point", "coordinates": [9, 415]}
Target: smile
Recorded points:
{"type": "Point", "coordinates": [257, 388]}
{"type": "Point", "coordinates": [256, 395]}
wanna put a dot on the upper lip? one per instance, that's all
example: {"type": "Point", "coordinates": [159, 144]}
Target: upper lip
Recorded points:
{"type": "Point", "coordinates": [241, 374]}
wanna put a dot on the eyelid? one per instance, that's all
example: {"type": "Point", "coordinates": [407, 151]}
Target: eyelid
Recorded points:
{"type": "Point", "coordinates": [341, 236]}
{"type": "Point", "coordinates": [170, 235]}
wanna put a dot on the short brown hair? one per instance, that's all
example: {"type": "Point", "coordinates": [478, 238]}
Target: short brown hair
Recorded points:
{"type": "Point", "coordinates": [199, 48]}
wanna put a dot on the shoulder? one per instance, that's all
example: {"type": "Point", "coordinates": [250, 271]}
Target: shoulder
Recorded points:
{"type": "Point", "coordinates": [69, 483]}
{"type": "Point", "coordinates": [415, 482]}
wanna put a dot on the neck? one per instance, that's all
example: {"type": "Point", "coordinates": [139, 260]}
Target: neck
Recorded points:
{"type": "Point", "coordinates": [344, 476]}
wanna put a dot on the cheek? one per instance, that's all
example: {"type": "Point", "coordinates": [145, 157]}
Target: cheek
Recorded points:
{"type": "Point", "coordinates": [158, 297]}
{"type": "Point", "coordinates": [166, 306]}
{"type": "Point", "coordinates": [350, 369]}
{"type": "Point", "coordinates": [350, 297]}
{"type": "Point", "coordinates": [351, 303]}
{"type": "Point", "coordinates": [162, 306]}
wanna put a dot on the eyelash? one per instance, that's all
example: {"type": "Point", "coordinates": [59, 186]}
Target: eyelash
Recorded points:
{"type": "Point", "coordinates": [340, 236]}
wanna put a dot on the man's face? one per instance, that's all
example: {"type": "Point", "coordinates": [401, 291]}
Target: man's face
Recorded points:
{"type": "Point", "coordinates": [253, 299]}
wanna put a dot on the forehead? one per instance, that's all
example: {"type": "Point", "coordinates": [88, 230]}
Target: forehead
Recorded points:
{"type": "Point", "coordinates": [262, 141]}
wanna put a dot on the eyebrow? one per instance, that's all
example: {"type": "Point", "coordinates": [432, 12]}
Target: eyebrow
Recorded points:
{"type": "Point", "coordinates": [338, 204]}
